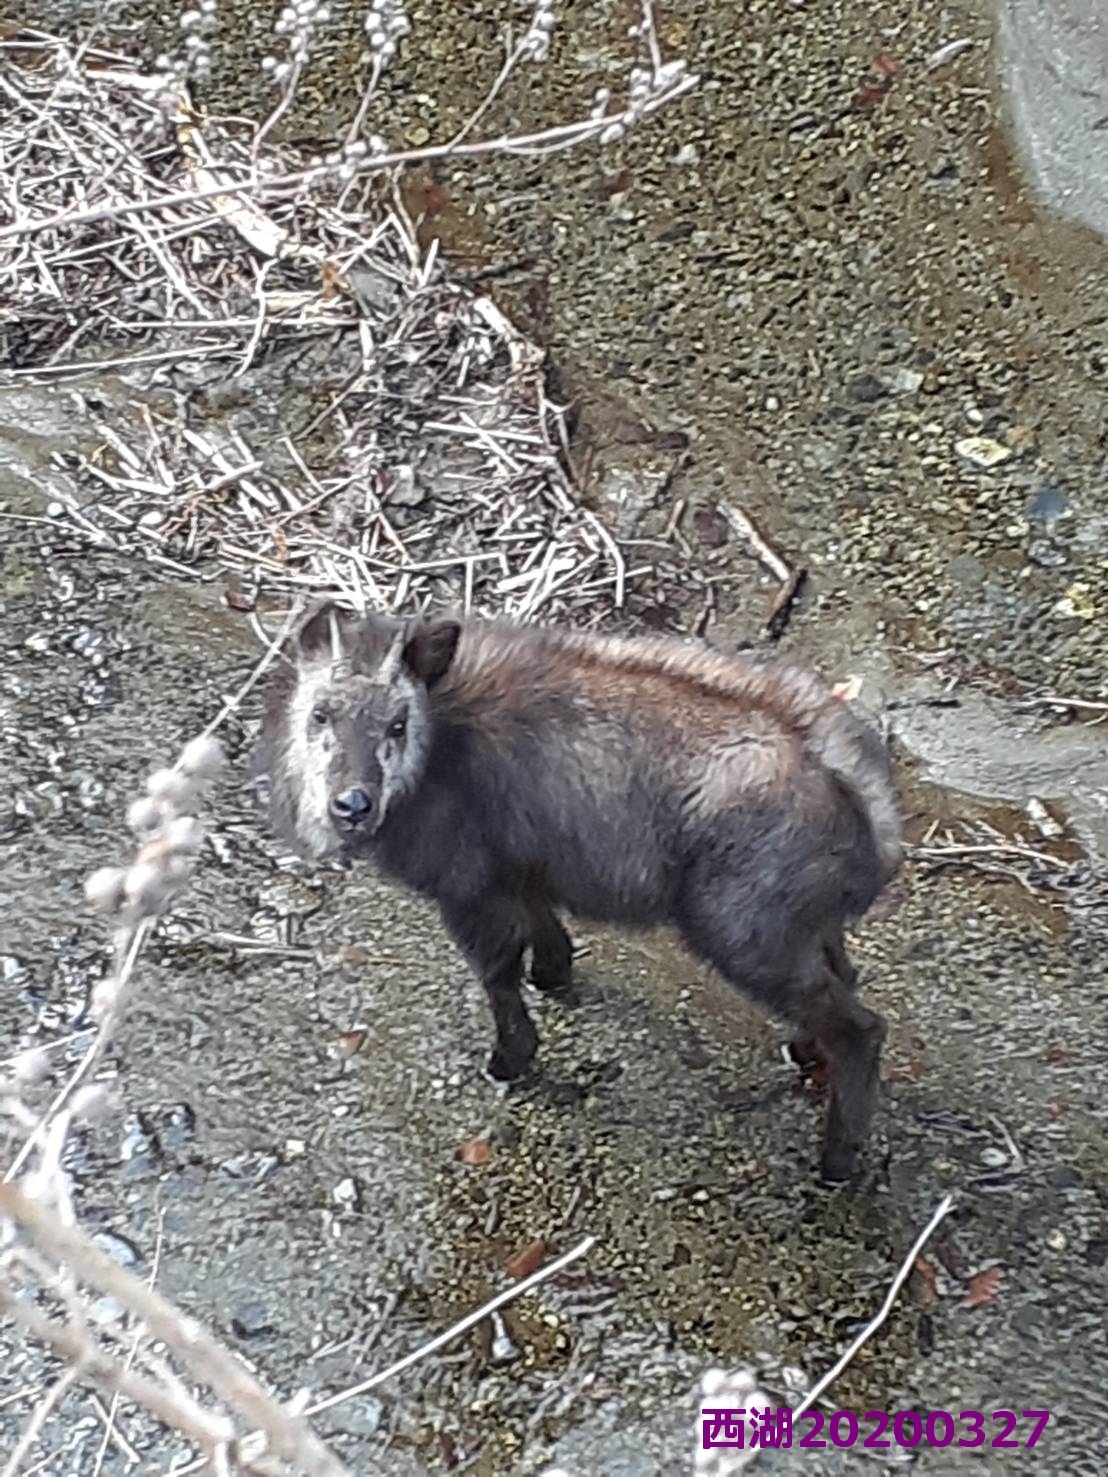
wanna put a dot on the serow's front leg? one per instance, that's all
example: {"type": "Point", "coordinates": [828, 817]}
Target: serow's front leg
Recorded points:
{"type": "Point", "coordinates": [492, 932]}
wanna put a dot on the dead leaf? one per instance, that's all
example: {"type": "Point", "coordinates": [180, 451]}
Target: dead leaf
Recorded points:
{"type": "Point", "coordinates": [350, 1042]}
{"type": "Point", "coordinates": [911, 1071]}
{"type": "Point", "coordinates": [983, 1288]}
{"type": "Point", "coordinates": [436, 198]}
{"type": "Point", "coordinates": [1058, 1056]}
{"type": "Point", "coordinates": [529, 1260]}
{"type": "Point", "coordinates": [238, 599]}
{"type": "Point", "coordinates": [449, 1450]}
{"type": "Point", "coordinates": [710, 528]}
{"type": "Point", "coordinates": [474, 1152]}
{"type": "Point", "coordinates": [869, 96]}
{"type": "Point", "coordinates": [616, 184]}
{"type": "Point", "coordinates": [887, 65]}
{"type": "Point", "coordinates": [330, 278]}
{"type": "Point", "coordinates": [927, 1272]}
{"type": "Point", "coordinates": [1054, 1109]}
{"type": "Point", "coordinates": [847, 690]}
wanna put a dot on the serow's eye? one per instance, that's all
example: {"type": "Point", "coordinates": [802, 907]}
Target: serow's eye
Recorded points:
{"type": "Point", "coordinates": [320, 717]}
{"type": "Point", "coordinates": [398, 727]}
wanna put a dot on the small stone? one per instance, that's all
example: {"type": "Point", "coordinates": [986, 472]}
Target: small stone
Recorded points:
{"type": "Point", "coordinates": [864, 389]}
{"type": "Point", "coordinates": [502, 1350]}
{"type": "Point", "coordinates": [967, 570]}
{"type": "Point", "coordinates": [107, 1310]}
{"type": "Point", "coordinates": [1048, 505]}
{"type": "Point", "coordinates": [345, 1194]}
{"type": "Point", "coordinates": [982, 451]}
{"type": "Point", "coordinates": [125, 1252]}
{"type": "Point", "coordinates": [417, 134]}
{"type": "Point", "coordinates": [1043, 821]}
{"type": "Point", "coordinates": [404, 490]}
{"type": "Point", "coordinates": [1056, 1240]}
{"type": "Point", "coordinates": [904, 381]}
{"type": "Point", "coordinates": [994, 1158]}
{"type": "Point", "coordinates": [251, 1321]}
{"type": "Point", "coordinates": [687, 154]}
{"type": "Point", "coordinates": [1047, 555]}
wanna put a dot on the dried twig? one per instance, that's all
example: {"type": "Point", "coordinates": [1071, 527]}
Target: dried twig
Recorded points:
{"type": "Point", "coordinates": [942, 1210]}
{"type": "Point", "coordinates": [441, 1340]}
{"type": "Point", "coordinates": [790, 580]}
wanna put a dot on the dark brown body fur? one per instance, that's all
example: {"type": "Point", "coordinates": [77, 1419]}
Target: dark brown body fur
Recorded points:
{"type": "Point", "coordinates": [635, 782]}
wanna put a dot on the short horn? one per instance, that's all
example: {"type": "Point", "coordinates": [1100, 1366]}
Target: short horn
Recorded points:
{"type": "Point", "coordinates": [391, 664]}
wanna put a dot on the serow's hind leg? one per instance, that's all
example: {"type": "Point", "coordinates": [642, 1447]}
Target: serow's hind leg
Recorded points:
{"type": "Point", "coordinates": [849, 1038]}
{"type": "Point", "coordinates": [551, 951]}
{"type": "Point", "coordinates": [804, 1048]}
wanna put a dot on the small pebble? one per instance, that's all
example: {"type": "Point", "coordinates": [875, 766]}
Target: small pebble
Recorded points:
{"type": "Point", "coordinates": [905, 381]}
{"type": "Point", "coordinates": [982, 451]}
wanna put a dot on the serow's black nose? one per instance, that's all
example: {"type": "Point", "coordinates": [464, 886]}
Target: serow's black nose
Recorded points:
{"type": "Point", "coordinates": [351, 808]}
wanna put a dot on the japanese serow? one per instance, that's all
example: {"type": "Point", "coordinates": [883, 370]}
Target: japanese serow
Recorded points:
{"type": "Point", "coordinates": [512, 772]}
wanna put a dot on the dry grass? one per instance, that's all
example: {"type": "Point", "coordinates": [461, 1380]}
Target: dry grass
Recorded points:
{"type": "Point", "coordinates": [399, 448]}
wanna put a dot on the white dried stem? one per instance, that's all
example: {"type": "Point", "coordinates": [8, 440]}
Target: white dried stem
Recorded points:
{"type": "Point", "coordinates": [199, 1351]}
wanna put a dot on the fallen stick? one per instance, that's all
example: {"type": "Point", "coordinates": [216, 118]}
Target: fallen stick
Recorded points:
{"type": "Point", "coordinates": [942, 1210]}
{"type": "Point", "coordinates": [790, 580]}
{"type": "Point", "coordinates": [509, 1295]}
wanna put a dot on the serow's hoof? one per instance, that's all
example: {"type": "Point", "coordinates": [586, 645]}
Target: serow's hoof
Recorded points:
{"type": "Point", "coordinates": [837, 1165]}
{"type": "Point", "coordinates": [509, 1066]}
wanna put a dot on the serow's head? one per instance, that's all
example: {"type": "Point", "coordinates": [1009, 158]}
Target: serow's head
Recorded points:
{"type": "Point", "coordinates": [359, 721]}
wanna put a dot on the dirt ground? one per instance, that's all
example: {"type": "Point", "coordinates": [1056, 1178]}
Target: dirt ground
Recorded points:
{"type": "Point", "coordinates": [826, 270]}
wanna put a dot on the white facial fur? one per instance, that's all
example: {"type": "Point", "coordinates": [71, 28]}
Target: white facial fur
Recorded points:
{"type": "Point", "coordinates": [310, 746]}
{"type": "Point", "coordinates": [304, 763]}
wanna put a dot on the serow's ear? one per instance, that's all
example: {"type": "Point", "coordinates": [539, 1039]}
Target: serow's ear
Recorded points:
{"type": "Point", "coordinates": [314, 638]}
{"type": "Point", "coordinates": [430, 650]}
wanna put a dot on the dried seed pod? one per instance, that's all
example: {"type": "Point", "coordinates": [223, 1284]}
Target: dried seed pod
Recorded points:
{"type": "Point", "coordinates": [145, 815]}
{"type": "Point", "coordinates": [90, 1102]}
{"type": "Point", "coordinates": [31, 1066]}
{"type": "Point", "coordinates": [147, 887]}
{"type": "Point", "coordinates": [104, 996]}
{"type": "Point", "coordinates": [105, 889]}
{"type": "Point", "coordinates": [185, 833]}
{"type": "Point", "coordinates": [171, 787]}
{"type": "Point", "coordinates": [202, 758]}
